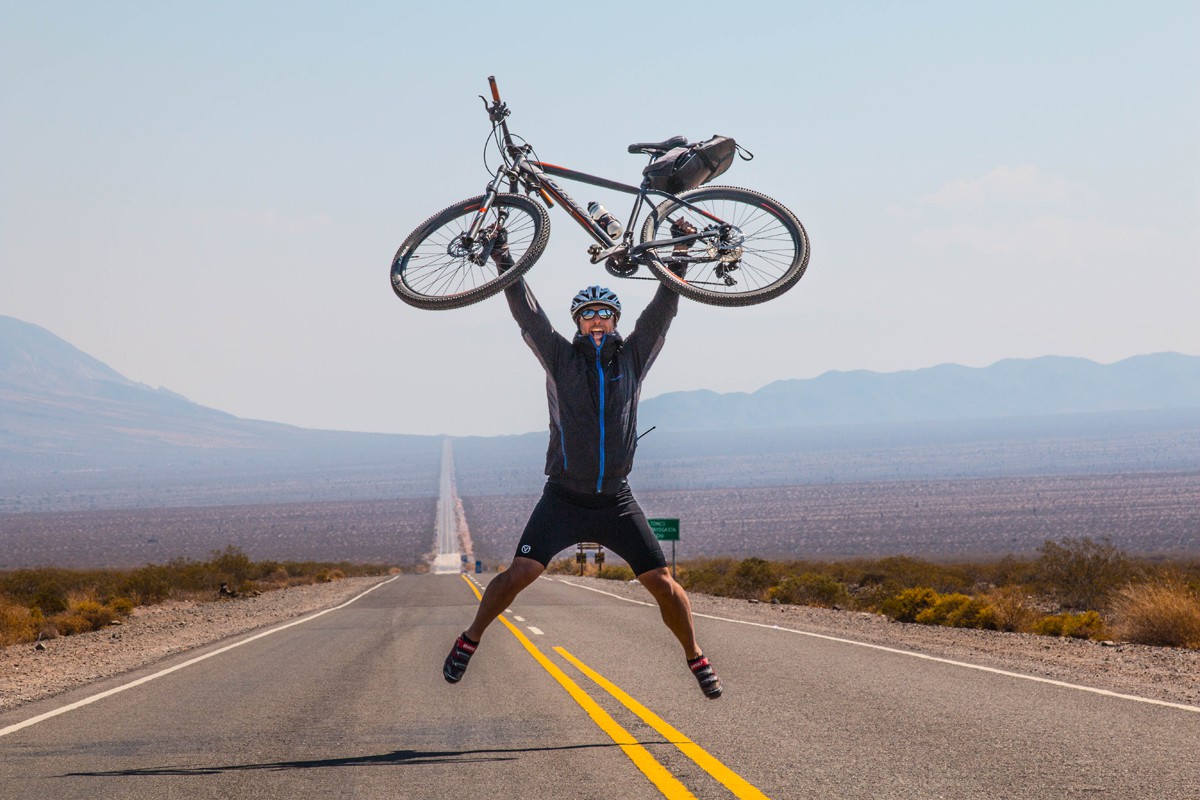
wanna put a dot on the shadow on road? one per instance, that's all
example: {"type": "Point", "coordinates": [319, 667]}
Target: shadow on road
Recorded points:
{"type": "Point", "coordinates": [394, 758]}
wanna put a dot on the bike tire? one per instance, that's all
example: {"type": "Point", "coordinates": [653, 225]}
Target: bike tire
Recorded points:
{"type": "Point", "coordinates": [446, 277]}
{"type": "Point", "coordinates": [770, 260]}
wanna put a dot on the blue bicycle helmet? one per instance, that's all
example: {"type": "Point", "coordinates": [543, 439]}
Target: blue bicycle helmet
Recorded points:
{"type": "Point", "coordinates": [595, 296]}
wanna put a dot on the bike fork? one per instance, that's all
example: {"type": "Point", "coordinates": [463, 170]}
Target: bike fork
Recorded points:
{"type": "Point", "coordinates": [489, 197]}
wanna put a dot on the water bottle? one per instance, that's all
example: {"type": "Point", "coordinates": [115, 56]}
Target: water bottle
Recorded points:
{"type": "Point", "coordinates": [605, 220]}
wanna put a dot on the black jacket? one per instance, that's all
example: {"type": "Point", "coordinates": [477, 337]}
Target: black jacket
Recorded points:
{"type": "Point", "coordinates": [592, 391]}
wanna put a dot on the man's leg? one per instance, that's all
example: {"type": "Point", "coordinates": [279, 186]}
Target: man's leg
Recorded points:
{"type": "Point", "coordinates": [674, 606]}
{"type": "Point", "coordinates": [676, 612]}
{"type": "Point", "coordinates": [500, 593]}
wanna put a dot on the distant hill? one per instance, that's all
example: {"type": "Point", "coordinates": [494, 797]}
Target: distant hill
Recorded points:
{"type": "Point", "coordinates": [76, 434]}
{"type": "Point", "coordinates": [1011, 388]}
{"type": "Point", "coordinates": [69, 422]}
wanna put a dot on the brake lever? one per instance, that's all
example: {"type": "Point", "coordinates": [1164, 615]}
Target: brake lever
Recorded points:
{"type": "Point", "coordinates": [496, 111]}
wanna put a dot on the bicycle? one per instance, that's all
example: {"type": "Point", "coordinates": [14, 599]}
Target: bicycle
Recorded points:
{"type": "Point", "coordinates": [739, 247]}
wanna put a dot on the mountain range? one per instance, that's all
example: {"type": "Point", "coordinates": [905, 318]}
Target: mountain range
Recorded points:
{"type": "Point", "coordinates": [1010, 388]}
{"type": "Point", "coordinates": [76, 433]}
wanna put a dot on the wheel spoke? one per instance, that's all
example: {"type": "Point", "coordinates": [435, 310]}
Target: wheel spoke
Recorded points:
{"type": "Point", "coordinates": [765, 250]}
{"type": "Point", "coordinates": [440, 266]}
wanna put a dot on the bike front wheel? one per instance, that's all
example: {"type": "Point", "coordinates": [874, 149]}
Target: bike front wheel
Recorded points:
{"type": "Point", "coordinates": [439, 266]}
{"type": "Point", "coordinates": [757, 249]}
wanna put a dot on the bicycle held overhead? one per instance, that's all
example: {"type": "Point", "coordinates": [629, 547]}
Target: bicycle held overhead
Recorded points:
{"type": "Point", "coordinates": [720, 245]}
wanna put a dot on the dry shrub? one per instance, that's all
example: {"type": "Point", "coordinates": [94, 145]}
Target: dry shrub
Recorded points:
{"type": "Point", "coordinates": [750, 579]}
{"type": "Point", "coordinates": [1083, 573]}
{"type": "Point", "coordinates": [908, 604]}
{"type": "Point", "coordinates": [1088, 625]}
{"type": "Point", "coordinates": [123, 606]}
{"type": "Point", "coordinates": [1013, 608]}
{"type": "Point", "coordinates": [84, 613]}
{"type": "Point", "coordinates": [810, 589]}
{"type": "Point", "coordinates": [617, 572]}
{"type": "Point", "coordinates": [959, 611]}
{"type": "Point", "coordinates": [17, 624]}
{"type": "Point", "coordinates": [1164, 613]}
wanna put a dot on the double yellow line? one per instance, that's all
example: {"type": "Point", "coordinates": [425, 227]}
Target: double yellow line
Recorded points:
{"type": "Point", "coordinates": [659, 775]}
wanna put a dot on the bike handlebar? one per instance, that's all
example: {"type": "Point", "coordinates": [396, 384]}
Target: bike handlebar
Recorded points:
{"type": "Point", "coordinates": [495, 89]}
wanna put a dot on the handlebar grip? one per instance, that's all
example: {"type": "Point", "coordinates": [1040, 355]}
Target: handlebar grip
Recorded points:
{"type": "Point", "coordinates": [495, 89]}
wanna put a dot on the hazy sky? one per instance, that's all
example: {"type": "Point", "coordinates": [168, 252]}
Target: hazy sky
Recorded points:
{"type": "Point", "coordinates": [207, 196]}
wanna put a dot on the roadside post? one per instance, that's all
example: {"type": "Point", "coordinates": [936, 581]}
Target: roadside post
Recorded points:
{"type": "Point", "coordinates": [581, 556]}
{"type": "Point", "coordinates": [666, 529]}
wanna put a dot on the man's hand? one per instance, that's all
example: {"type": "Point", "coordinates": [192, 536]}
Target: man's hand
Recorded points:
{"type": "Point", "coordinates": [680, 227]}
{"type": "Point", "coordinates": [500, 255]}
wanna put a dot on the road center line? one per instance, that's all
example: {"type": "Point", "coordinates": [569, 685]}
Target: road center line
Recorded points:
{"type": "Point", "coordinates": [116, 690]}
{"type": "Point", "coordinates": [666, 783]}
{"type": "Point", "coordinates": [993, 670]}
{"type": "Point", "coordinates": [735, 783]}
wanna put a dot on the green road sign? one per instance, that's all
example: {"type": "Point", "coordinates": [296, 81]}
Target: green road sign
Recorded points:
{"type": "Point", "coordinates": [665, 530]}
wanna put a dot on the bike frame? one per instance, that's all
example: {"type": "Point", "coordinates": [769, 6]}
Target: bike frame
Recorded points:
{"type": "Point", "coordinates": [519, 169]}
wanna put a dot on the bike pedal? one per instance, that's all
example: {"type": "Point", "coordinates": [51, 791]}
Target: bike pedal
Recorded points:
{"type": "Point", "coordinates": [598, 255]}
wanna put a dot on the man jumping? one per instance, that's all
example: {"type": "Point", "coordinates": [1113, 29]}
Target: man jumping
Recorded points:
{"type": "Point", "coordinates": [592, 385]}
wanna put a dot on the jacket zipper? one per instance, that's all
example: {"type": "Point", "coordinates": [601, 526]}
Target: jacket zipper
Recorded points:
{"type": "Point", "coordinates": [600, 375]}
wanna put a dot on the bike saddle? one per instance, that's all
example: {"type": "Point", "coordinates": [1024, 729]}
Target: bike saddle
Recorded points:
{"type": "Point", "coordinates": [658, 148]}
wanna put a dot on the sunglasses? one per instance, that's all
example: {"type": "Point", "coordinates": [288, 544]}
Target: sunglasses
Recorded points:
{"type": "Point", "coordinates": [602, 313]}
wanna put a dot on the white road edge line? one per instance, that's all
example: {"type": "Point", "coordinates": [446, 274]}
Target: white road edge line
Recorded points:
{"type": "Point", "coordinates": [993, 670]}
{"type": "Point", "coordinates": [146, 679]}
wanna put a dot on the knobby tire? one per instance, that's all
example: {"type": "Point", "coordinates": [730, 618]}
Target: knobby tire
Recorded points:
{"type": "Point", "coordinates": [774, 255]}
{"type": "Point", "coordinates": [429, 273]}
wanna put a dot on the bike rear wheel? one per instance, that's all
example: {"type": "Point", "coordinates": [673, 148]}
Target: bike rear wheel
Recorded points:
{"type": "Point", "coordinates": [759, 257]}
{"type": "Point", "coordinates": [438, 268]}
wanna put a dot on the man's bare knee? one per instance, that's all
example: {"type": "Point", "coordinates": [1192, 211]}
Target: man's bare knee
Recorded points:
{"type": "Point", "coordinates": [522, 572]}
{"type": "Point", "coordinates": [659, 582]}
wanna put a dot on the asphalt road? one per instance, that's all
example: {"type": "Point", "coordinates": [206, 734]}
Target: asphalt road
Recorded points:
{"type": "Point", "coordinates": [352, 704]}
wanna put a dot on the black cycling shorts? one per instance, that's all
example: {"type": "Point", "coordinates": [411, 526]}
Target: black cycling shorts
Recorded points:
{"type": "Point", "coordinates": [563, 518]}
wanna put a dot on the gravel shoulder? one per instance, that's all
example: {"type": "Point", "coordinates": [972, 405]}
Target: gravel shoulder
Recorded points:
{"type": "Point", "coordinates": [155, 632]}
{"type": "Point", "coordinates": [1158, 673]}
{"type": "Point", "coordinates": [152, 633]}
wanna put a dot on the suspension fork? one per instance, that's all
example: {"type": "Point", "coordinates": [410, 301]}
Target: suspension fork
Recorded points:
{"type": "Point", "coordinates": [489, 198]}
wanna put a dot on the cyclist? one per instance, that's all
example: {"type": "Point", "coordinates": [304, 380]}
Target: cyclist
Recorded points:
{"type": "Point", "coordinates": [593, 383]}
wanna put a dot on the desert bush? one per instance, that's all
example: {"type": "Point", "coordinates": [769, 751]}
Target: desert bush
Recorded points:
{"type": "Point", "coordinates": [330, 575]}
{"type": "Point", "coordinates": [706, 577]}
{"type": "Point", "coordinates": [810, 588]}
{"type": "Point", "coordinates": [1082, 573]}
{"type": "Point", "coordinates": [67, 624]}
{"type": "Point", "coordinates": [905, 606]}
{"type": "Point", "coordinates": [914, 573]}
{"type": "Point", "coordinates": [123, 606]}
{"type": "Point", "coordinates": [234, 565]}
{"type": "Point", "coordinates": [751, 579]}
{"type": "Point", "coordinates": [1164, 613]}
{"type": "Point", "coordinates": [54, 601]}
{"type": "Point", "coordinates": [17, 624]}
{"type": "Point", "coordinates": [148, 585]}
{"type": "Point", "coordinates": [1085, 625]}
{"type": "Point", "coordinates": [93, 613]}
{"type": "Point", "coordinates": [958, 611]}
{"type": "Point", "coordinates": [617, 572]}
{"type": "Point", "coordinates": [562, 566]}
{"type": "Point", "coordinates": [1013, 608]}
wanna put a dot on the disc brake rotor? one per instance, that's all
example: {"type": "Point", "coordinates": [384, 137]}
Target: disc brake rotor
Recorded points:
{"type": "Point", "coordinates": [458, 248]}
{"type": "Point", "coordinates": [727, 248]}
